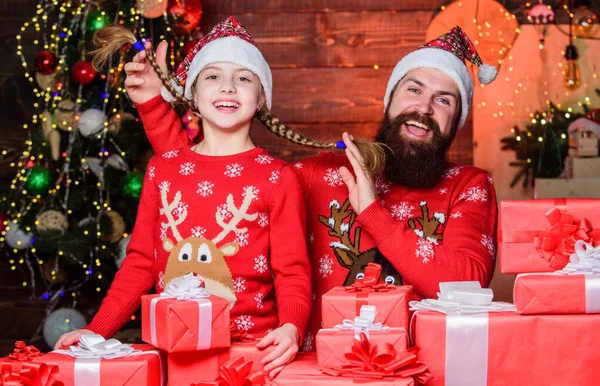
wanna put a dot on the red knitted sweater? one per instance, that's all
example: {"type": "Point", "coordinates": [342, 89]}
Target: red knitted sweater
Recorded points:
{"type": "Point", "coordinates": [237, 221]}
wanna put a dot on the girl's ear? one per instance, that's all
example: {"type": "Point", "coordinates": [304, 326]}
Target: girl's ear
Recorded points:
{"type": "Point", "coordinates": [261, 100]}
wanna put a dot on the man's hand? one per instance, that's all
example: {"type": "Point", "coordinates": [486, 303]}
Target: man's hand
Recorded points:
{"type": "Point", "coordinates": [361, 190]}
{"type": "Point", "coordinates": [142, 83]}
{"type": "Point", "coordinates": [286, 339]}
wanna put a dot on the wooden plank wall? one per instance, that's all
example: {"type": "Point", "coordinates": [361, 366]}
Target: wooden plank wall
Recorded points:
{"type": "Point", "coordinates": [323, 55]}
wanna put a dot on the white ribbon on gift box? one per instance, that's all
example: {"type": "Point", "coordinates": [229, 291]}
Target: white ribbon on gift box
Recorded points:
{"type": "Point", "coordinates": [93, 348]}
{"type": "Point", "coordinates": [362, 323]}
{"type": "Point", "coordinates": [467, 307]}
{"type": "Point", "coordinates": [187, 287]}
{"type": "Point", "coordinates": [463, 297]}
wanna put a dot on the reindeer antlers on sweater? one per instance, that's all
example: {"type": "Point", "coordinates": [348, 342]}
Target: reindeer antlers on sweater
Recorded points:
{"type": "Point", "coordinates": [239, 214]}
{"type": "Point", "coordinates": [429, 226]}
{"type": "Point", "coordinates": [341, 230]}
{"type": "Point", "coordinates": [168, 208]}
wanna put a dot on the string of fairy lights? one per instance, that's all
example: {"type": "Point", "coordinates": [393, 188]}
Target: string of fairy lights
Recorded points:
{"type": "Point", "coordinates": [483, 28]}
{"type": "Point", "coordinates": [69, 17]}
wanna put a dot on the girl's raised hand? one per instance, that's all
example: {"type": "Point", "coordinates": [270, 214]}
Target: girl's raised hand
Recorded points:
{"type": "Point", "coordinates": [142, 83]}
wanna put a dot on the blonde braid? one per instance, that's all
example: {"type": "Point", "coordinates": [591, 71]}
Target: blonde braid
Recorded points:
{"type": "Point", "coordinates": [109, 40]}
{"type": "Point", "coordinates": [372, 152]}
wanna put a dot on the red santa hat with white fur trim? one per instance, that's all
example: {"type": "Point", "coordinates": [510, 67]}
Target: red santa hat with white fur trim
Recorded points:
{"type": "Point", "coordinates": [446, 53]}
{"type": "Point", "coordinates": [228, 42]}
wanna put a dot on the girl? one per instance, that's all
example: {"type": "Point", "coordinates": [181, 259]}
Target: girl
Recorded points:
{"type": "Point", "coordinates": [223, 209]}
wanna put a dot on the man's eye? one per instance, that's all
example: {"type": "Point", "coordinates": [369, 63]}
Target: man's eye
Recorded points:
{"type": "Point", "coordinates": [445, 101]}
{"type": "Point", "coordinates": [413, 90]}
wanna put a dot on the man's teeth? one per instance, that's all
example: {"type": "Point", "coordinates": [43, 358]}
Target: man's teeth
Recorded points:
{"type": "Point", "coordinates": [227, 104]}
{"type": "Point", "coordinates": [418, 124]}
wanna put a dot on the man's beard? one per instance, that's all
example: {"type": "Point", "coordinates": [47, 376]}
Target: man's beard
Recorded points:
{"type": "Point", "coordinates": [411, 162]}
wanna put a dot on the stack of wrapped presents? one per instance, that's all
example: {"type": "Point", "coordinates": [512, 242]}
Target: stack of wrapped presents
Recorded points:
{"type": "Point", "coordinates": [550, 337]}
{"type": "Point", "coordinates": [374, 333]}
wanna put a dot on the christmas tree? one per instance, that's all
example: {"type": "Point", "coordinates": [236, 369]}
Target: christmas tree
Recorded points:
{"type": "Point", "coordinates": [72, 204]}
{"type": "Point", "coordinates": [542, 146]}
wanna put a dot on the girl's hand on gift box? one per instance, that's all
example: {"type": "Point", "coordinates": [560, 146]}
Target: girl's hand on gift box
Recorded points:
{"type": "Point", "coordinates": [70, 338]}
{"type": "Point", "coordinates": [142, 83]}
{"type": "Point", "coordinates": [286, 339]}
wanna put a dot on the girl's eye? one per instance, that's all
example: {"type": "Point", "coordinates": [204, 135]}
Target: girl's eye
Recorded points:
{"type": "Point", "coordinates": [244, 79]}
{"type": "Point", "coordinates": [211, 77]}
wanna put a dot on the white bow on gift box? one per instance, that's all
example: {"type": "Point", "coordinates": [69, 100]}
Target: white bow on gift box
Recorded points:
{"type": "Point", "coordinates": [362, 323]}
{"type": "Point", "coordinates": [95, 346]}
{"type": "Point", "coordinates": [585, 260]}
{"type": "Point", "coordinates": [187, 287]}
{"type": "Point", "coordinates": [464, 297]}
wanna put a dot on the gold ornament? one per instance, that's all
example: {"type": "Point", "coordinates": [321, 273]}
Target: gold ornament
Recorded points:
{"type": "Point", "coordinates": [51, 220]}
{"type": "Point", "coordinates": [117, 227]}
{"type": "Point", "coordinates": [65, 114]}
{"type": "Point", "coordinates": [151, 9]}
{"type": "Point", "coordinates": [45, 81]}
{"type": "Point", "coordinates": [115, 122]}
{"type": "Point", "coordinates": [53, 273]}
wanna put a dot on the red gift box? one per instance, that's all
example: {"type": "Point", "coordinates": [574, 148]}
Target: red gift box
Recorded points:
{"type": "Point", "coordinates": [189, 367]}
{"type": "Point", "coordinates": [146, 368]}
{"type": "Point", "coordinates": [539, 235]}
{"type": "Point", "coordinates": [185, 325]}
{"type": "Point", "coordinates": [506, 348]}
{"type": "Point", "coordinates": [303, 371]}
{"type": "Point", "coordinates": [333, 344]}
{"type": "Point", "coordinates": [392, 306]}
{"type": "Point", "coordinates": [540, 294]}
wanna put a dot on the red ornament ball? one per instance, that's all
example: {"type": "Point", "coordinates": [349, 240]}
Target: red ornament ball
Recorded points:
{"type": "Point", "coordinates": [3, 222]}
{"type": "Point", "coordinates": [46, 62]}
{"type": "Point", "coordinates": [83, 72]}
{"type": "Point", "coordinates": [187, 15]}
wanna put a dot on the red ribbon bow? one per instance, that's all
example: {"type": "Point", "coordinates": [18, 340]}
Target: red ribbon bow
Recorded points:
{"type": "Point", "coordinates": [28, 374]}
{"type": "Point", "coordinates": [239, 335]}
{"type": "Point", "coordinates": [236, 372]}
{"type": "Point", "coordinates": [24, 353]}
{"type": "Point", "coordinates": [379, 361]}
{"type": "Point", "coordinates": [371, 282]}
{"type": "Point", "coordinates": [557, 245]}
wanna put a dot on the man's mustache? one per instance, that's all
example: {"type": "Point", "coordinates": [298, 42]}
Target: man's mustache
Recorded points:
{"type": "Point", "coordinates": [415, 116]}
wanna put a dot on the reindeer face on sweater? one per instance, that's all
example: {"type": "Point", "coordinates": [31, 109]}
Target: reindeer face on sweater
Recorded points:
{"type": "Point", "coordinates": [347, 249]}
{"type": "Point", "coordinates": [204, 257]}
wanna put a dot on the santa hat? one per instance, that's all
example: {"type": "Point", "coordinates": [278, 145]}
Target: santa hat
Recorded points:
{"type": "Point", "coordinates": [228, 42]}
{"type": "Point", "coordinates": [446, 53]}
